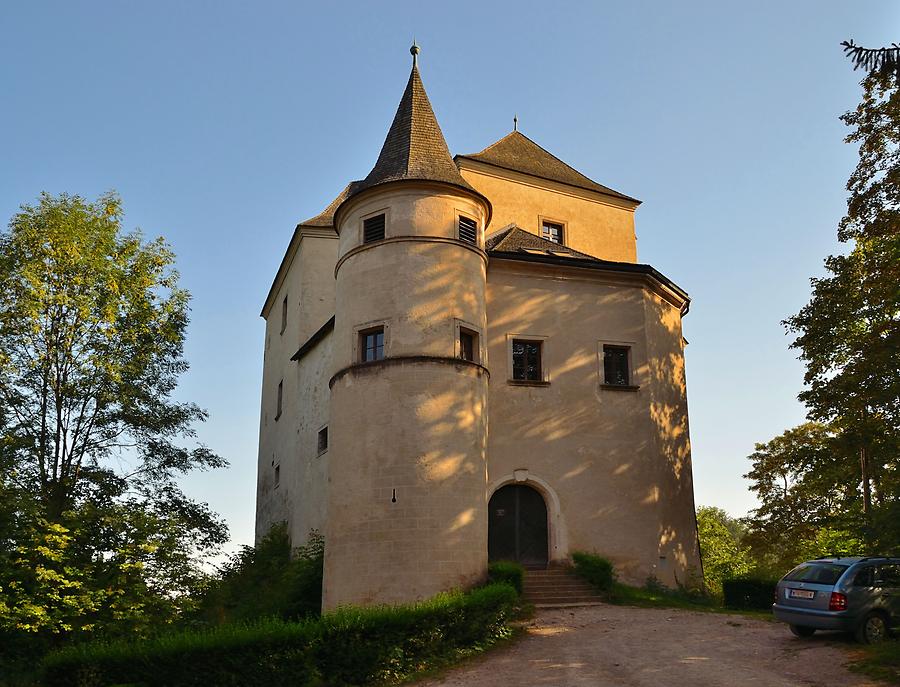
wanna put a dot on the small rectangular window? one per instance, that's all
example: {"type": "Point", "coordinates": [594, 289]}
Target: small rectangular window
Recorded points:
{"type": "Point", "coordinates": [371, 345]}
{"type": "Point", "coordinates": [615, 366]}
{"type": "Point", "coordinates": [468, 230]}
{"type": "Point", "coordinates": [373, 229]}
{"type": "Point", "coordinates": [552, 232]}
{"type": "Point", "coordinates": [284, 314]}
{"type": "Point", "coordinates": [526, 357]}
{"type": "Point", "coordinates": [322, 441]}
{"type": "Point", "coordinates": [278, 404]}
{"type": "Point", "coordinates": [468, 345]}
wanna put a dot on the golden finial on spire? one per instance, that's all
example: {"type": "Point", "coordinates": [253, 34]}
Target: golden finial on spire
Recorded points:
{"type": "Point", "coordinates": [515, 122]}
{"type": "Point", "coordinates": [414, 51]}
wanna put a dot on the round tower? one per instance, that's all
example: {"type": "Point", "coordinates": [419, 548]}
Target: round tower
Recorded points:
{"type": "Point", "coordinates": [406, 511]}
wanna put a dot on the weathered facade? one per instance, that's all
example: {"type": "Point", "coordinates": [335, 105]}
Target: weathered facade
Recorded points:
{"type": "Point", "coordinates": [464, 360]}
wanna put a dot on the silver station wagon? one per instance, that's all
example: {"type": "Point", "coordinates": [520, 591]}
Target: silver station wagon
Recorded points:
{"type": "Point", "coordinates": [858, 595]}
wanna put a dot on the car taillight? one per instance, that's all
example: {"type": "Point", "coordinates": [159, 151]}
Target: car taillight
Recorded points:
{"type": "Point", "coordinates": [838, 602]}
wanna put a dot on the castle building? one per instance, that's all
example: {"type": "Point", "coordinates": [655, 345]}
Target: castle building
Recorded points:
{"type": "Point", "coordinates": [465, 362]}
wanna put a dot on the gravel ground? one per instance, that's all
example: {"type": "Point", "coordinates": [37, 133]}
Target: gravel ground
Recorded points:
{"type": "Point", "coordinates": [616, 645]}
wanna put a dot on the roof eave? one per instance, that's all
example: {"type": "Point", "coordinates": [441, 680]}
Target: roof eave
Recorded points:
{"type": "Point", "coordinates": [300, 231]}
{"type": "Point", "coordinates": [605, 266]}
{"type": "Point", "coordinates": [610, 194]}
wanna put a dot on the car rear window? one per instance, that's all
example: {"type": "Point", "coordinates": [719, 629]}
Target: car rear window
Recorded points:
{"type": "Point", "coordinates": [819, 573]}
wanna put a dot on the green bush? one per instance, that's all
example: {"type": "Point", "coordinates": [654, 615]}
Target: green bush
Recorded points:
{"type": "Point", "coordinates": [350, 646]}
{"type": "Point", "coordinates": [749, 592]}
{"type": "Point", "coordinates": [269, 580]}
{"type": "Point", "coordinates": [509, 572]}
{"type": "Point", "coordinates": [595, 569]}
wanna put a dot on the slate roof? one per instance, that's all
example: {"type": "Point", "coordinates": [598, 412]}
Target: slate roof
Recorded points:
{"type": "Point", "coordinates": [512, 239]}
{"type": "Point", "coordinates": [519, 153]}
{"type": "Point", "coordinates": [415, 147]}
{"type": "Point", "coordinates": [326, 217]}
{"type": "Point", "coordinates": [513, 243]}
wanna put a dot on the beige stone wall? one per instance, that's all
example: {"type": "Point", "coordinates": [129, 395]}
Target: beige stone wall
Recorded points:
{"type": "Point", "coordinates": [309, 287]}
{"type": "Point", "coordinates": [616, 462]}
{"type": "Point", "coordinates": [598, 225]}
{"type": "Point", "coordinates": [416, 432]}
{"type": "Point", "coordinates": [678, 548]}
{"type": "Point", "coordinates": [414, 425]}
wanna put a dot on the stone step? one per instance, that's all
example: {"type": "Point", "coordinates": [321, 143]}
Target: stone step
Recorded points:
{"type": "Point", "coordinates": [558, 587]}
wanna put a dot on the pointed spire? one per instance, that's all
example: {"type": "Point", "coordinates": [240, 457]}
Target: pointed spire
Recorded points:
{"type": "Point", "coordinates": [415, 147]}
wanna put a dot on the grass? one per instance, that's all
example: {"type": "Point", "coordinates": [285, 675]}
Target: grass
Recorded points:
{"type": "Point", "coordinates": [881, 661]}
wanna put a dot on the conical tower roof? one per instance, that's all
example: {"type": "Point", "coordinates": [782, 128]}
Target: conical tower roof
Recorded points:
{"type": "Point", "coordinates": [415, 148]}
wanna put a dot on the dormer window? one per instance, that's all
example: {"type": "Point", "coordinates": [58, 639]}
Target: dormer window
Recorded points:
{"type": "Point", "coordinates": [552, 231]}
{"type": "Point", "coordinates": [373, 228]}
{"type": "Point", "coordinates": [468, 230]}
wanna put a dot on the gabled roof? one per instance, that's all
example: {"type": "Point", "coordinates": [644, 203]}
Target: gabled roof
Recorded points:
{"type": "Point", "coordinates": [519, 153]}
{"type": "Point", "coordinates": [512, 239]}
{"type": "Point", "coordinates": [415, 147]}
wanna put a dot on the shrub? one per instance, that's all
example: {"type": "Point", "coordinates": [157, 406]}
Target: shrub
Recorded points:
{"type": "Point", "coordinates": [267, 581]}
{"type": "Point", "coordinates": [595, 569]}
{"type": "Point", "coordinates": [349, 646]}
{"type": "Point", "coordinates": [748, 592]}
{"type": "Point", "coordinates": [509, 572]}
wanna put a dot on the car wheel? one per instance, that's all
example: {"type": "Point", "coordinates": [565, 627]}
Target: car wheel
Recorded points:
{"type": "Point", "coordinates": [873, 629]}
{"type": "Point", "coordinates": [802, 631]}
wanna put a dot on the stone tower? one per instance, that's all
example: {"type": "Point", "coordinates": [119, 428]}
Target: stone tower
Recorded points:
{"type": "Point", "coordinates": [407, 478]}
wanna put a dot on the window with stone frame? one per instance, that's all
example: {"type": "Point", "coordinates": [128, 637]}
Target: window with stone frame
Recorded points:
{"type": "Point", "coordinates": [468, 345]}
{"type": "Point", "coordinates": [371, 345]}
{"type": "Point", "coordinates": [552, 231]}
{"type": "Point", "coordinates": [279, 399]}
{"type": "Point", "coordinates": [527, 364]}
{"type": "Point", "coordinates": [616, 365]}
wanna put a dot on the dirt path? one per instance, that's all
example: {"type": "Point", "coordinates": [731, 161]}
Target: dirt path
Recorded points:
{"type": "Point", "coordinates": [615, 646]}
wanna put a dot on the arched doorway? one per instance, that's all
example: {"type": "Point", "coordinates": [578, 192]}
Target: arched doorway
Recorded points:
{"type": "Point", "coordinates": [517, 526]}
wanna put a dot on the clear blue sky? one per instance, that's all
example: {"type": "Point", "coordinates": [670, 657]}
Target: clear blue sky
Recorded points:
{"type": "Point", "coordinates": [222, 124]}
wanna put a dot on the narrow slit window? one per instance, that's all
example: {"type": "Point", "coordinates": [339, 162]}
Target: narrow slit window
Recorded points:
{"type": "Point", "coordinates": [371, 345]}
{"type": "Point", "coordinates": [322, 440]}
{"type": "Point", "coordinates": [278, 402]}
{"type": "Point", "coordinates": [284, 309]}
{"type": "Point", "coordinates": [373, 229]}
{"type": "Point", "coordinates": [526, 356]}
{"type": "Point", "coordinates": [277, 475]}
{"type": "Point", "coordinates": [552, 232]}
{"type": "Point", "coordinates": [615, 366]}
{"type": "Point", "coordinates": [468, 230]}
{"type": "Point", "coordinates": [468, 345]}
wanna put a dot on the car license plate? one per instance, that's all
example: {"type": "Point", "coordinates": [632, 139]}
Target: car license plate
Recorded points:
{"type": "Point", "coordinates": [802, 594]}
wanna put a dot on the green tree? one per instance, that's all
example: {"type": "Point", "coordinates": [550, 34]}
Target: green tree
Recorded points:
{"type": "Point", "coordinates": [95, 533]}
{"type": "Point", "coordinates": [809, 497]}
{"type": "Point", "coordinates": [848, 335]}
{"type": "Point", "coordinates": [724, 555]}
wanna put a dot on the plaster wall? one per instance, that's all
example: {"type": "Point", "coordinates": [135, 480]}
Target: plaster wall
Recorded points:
{"type": "Point", "coordinates": [413, 208]}
{"type": "Point", "coordinates": [419, 283]}
{"type": "Point", "coordinates": [598, 225]}
{"type": "Point", "coordinates": [308, 285]}
{"type": "Point", "coordinates": [415, 433]}
{"type": "Point", "coordinates": [617, 461]}
{"type": "Point", "coordinates": [406, 490]}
